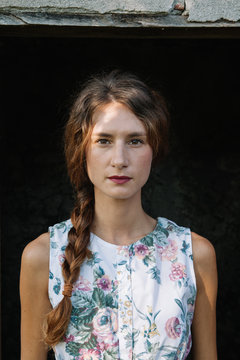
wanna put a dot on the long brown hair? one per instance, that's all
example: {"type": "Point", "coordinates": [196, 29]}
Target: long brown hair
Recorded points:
{"type": "Point", "coordinates": [149, 106]}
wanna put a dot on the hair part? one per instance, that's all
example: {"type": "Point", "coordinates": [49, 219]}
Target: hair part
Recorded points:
{"type": "Point", "coordinates": [150, 108]}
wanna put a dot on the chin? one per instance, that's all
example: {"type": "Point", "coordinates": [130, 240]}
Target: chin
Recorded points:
{"type": "Point", "coordinates": [122, 195]}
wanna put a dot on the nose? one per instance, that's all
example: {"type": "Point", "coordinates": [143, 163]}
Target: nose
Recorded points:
{"type": "Point", "coordinates": [119, 157]}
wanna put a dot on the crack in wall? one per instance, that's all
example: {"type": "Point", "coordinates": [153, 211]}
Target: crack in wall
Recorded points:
{"type": "Point", "coordinates": [19, 18]}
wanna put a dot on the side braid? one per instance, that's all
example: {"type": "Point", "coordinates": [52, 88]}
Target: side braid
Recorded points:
{"type": "Point", "coordinates": [76, 251]}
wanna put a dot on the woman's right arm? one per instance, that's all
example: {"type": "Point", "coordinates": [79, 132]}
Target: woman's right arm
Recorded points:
{"type": "Point", "coordinates": [35, 302]}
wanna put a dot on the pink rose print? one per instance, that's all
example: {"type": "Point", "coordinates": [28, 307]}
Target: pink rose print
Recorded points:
{"type": "Point", "coordinates": [68, 339]}
{"type": "Point", "coordinates": [177, 271]}
{"type": "Point", "coordinates": [130, 356]}
{"type": "Point", "coordinates": [169, 252]}
{"type": "Point", "coordinates": [82, 284]}
{"type": "Point", "coordinates": [61, 259]}
{"type": "Point", "coordinates": [105, 325]}
{"type": "Point", "coordinates": [104, 283]}
{"type": "Point", "coordinates": [90, 354]}
{"type": "Point", "coordinates": [173, 328]}
{"type": "Point", "coordinates": [141, 251]}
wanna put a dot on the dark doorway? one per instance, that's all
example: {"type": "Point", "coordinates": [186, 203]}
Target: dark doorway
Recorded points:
{"type": "Point", "coordinates": [198, 185]}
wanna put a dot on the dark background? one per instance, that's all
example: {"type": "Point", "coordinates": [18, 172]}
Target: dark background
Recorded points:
{"type": "Point", "coordinates": [198, 185]}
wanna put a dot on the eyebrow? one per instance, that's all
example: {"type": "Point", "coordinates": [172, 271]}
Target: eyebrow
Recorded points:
{"type": "Point", "coordinates": [129, 135]}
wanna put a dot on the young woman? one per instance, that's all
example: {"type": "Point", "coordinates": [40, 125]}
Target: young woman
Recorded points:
{"type": "Point", "coordinates": [118, 284]}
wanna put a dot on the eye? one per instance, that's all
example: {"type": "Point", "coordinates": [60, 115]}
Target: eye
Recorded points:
{"type": "Point", "coordinates": [136, 142]}
{"type": "Point", "coordinates": [103, 141]}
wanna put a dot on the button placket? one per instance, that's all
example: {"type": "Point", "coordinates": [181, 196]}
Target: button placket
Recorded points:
{"type": "Point", "coordinates": [124, 303]}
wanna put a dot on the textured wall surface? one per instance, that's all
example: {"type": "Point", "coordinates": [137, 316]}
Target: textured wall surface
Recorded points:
{"type": "Point", "coordinates": [100, 6]}
{"type": "Point", "coordinates": [213, 10]}
{"type": "Point", "coordinates": [198, 185]}
{"type": "Point", "coordinates": [198, 11]}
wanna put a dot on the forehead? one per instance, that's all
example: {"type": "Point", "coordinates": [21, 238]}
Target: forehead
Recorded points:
{"type": "Point", "coordinates": [116, 117]}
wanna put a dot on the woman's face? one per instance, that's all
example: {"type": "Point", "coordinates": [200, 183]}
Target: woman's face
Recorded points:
{"type": "Point", "coordinates": [118, 154]}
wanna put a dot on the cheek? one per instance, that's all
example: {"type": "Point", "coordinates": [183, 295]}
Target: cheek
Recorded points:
{"type": "Point", "coordinates": [146, 159]}
{"type": "Point", "coordinates": [94, 163]}
{"type": "Point", "coordinates": [89, 163]}
{"type": "Point", "coordinates": [144, 165]}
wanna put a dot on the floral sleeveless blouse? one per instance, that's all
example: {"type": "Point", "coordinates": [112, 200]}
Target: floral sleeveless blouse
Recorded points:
{"type": "Point", "coordinates": [130, 302]}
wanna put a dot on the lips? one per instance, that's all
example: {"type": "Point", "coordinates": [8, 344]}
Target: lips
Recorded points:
{"type": "Point", "coordinates": [119, 179]}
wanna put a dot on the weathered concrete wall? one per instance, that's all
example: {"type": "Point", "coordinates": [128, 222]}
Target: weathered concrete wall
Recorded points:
{"type": "Point", "coordinates": [93, 6]}
{"type": "Point", "coordinates": [213, 10]}
{"type": "Point", "coordinates": [23, 12]}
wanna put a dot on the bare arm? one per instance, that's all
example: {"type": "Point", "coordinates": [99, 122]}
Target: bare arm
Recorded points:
{"type": "Point", "coordinates": [35, 303]}
{"type": "Point", "coordinates": [204, 321]}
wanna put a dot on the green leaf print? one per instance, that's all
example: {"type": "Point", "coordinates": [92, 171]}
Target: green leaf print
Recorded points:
{"type": "Point", "coordinates": [109, 300]}
{"type": "Point", "coordinates": [90, 344]}
{"type": "Point", "coordinates": [54, 245]}
{"type": "Point", "coordinates": [156, 314]}
{"type": "Point", "coordinates": [57, 286]}
{"type": "Point", "coordinates": [123, 262]}
{"type": "Point", "coordinates": [141, 315]}
{"type": "Point", "coordinates": [129, 339]}
{"type": "Point", "coordinates": [139, 356]}
{"type": "Point", "coordinates": [80, 317]}
{"type": "Point", "coordinates": [72, 348]}
{"type": "Point", "coordinates": [98, 272]}
{"type": "Point", "coordinates": [147, 240]}
{"type": "Point", "coordinates": [180, 305]}
{"type": "Point", "coordinates": [52, 232]}
{"type": "Point", "coordinates": [185, 247]}
{"type": "Point", "coordinates": [145, 261]}
{"type": "Point", "coordinates": [62, 226]}
{"type": "Point", "coordinates": [162, 236]}
{"type": "Point", "coordinates": [170, 356]}
{"type": "Point", "coordinates": [149, 345]}
{"type": "Point", "coordinates": [149, 259]}
{"type": "Point", "coordinates": [85, 335]}
{"type": "Point", "coordinates": [107, 356]}
{"type": "Point", "coordinates": [94, 259]}
{"type": "Point", "coordinates": [193, 292]}
{"type": "Point", "coordinates": [135, 335]}
{"type": "Point", "coordinates": [155, 348]}
{"type": "Point", "coordinates": [110, 354]}
{"type": "Point", "coordinates": [99, 297]}
{"type": "Point", "coordinates": [81, 299]}
{"type": "Point", "coordinates": [155, 274]}
{"type": "Point", "coordinates": [170, 352]}
{"type": "Point", "coordinates": [165, 230]}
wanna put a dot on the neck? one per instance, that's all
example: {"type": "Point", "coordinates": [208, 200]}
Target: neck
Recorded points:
{"type": "Point", "coordinates": [121, 222]}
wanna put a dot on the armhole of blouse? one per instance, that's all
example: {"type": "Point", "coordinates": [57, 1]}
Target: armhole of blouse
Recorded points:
{"type": "Point", "coordinates": [50, 265]}
{"type": "Point", "coordinates": [191, 257]}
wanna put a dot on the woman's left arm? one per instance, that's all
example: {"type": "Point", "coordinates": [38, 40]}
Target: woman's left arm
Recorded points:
{"type": "Point", "coordinates": [204, 321]}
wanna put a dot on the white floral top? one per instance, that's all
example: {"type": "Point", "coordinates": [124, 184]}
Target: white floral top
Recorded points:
{"type": "Point", "coordinates": [130, 302]}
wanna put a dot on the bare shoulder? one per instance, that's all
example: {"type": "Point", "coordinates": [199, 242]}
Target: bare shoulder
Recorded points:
{"type": "Point", "coordinates": [36, 254]}
{"type": "Point", "coordinates": [202, 247]}
{"type": "Point", "coordinates": [203, 254]}
{"type": "Point", "coordinates": [204, 320]}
